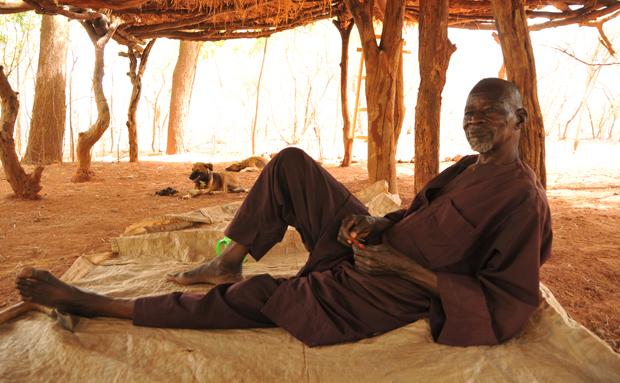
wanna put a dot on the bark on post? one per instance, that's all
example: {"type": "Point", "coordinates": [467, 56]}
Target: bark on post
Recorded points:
{"type": "Point", "coordinates": [514, 36]}
{"type": "Point", "coordinates": [434, 54]}
{"type": "Point", "coordinates": [182, 85]}
{"type": "Point", "coordinates": [383, 62]}
{"type": "Point", "coordinates": [47, 127]}
{"type": "Point", "coordinates": [24, 185]}
{"type": "Point", "coordinates": [87, 139]}
{"type": "Point", "coordinates": [135, 75]}
{"type": "Point", "coordinates": [345, 25]}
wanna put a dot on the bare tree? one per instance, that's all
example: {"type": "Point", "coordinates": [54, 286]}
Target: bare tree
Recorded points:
{"type": "Point", "coordinates": [135, 74]}
{"type": "Point", "coordinates": [260, 76]}
{"type": "Point", "coordinates": [24, 185]}
{"type": "Point", "coordinates": [100, 33]}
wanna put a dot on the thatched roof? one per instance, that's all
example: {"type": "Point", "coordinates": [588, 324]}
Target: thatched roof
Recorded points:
{"type": "Point", "coordinates": [210, 20]}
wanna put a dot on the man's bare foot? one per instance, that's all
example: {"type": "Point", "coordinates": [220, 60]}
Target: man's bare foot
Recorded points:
{"type": "Point", "coordinates": [40, 286]}
{"type": "Point", "coordinates": [215, 271]}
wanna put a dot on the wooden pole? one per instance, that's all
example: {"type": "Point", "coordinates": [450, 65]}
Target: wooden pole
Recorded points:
{"type": "Point", "coordinates": [344, 26]}
{"type": "Point", "coordinates": [24, 185]}
{"type": "Point", "coordinates": [135, 75]}
{"type": "Point", "coordinates": [514, 37]}
{"type": "Point", "coordinates": [382, 61]}
{"type": "Point", "coordinates": [87, 139]}
{"type": "Point", "coordinates": [434, 56]}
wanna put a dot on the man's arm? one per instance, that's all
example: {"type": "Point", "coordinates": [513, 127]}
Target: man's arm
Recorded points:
{"type": "Point", "coordinates": [383, 259]}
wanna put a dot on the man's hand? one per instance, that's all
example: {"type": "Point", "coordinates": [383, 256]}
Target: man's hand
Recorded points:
{"type": "Point", "coordinates": [380, 259]}
{"type": "Point", "coordinates": [354, 229]}
{"type": "Point", "coordinates": [384, 259]}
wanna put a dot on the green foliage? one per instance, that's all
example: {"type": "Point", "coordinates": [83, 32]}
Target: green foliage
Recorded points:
{"type": "Point", "coordinates": [15, 32]}
{"type": "Point", "coordinates": [22, 23]}
{"type": "Point", "coordinates": [208, 49]}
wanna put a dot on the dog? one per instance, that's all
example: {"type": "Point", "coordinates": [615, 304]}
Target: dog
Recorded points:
{"type": "Point", "coordinates": [206, 179]}
{"type": "Point", "coordinates": [251, 162]}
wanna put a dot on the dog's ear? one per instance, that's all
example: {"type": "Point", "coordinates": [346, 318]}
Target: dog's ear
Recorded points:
{"type": "Point", "coordinates": [209, 166]}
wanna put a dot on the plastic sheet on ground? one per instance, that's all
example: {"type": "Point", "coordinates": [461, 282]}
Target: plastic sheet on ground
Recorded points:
{"type": "Point", "coordinates": [35, 348]}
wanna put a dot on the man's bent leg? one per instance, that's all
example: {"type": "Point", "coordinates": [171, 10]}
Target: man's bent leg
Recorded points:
{"type": "Point", "coordinates": [293, 190]}
{"type": "Point", "coordinates": [40, 286]}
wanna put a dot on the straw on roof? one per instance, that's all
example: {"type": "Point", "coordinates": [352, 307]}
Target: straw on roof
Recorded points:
{"type": "Point", "coordinates": [210, 20]}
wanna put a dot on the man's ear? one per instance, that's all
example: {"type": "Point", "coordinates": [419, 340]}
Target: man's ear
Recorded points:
{"type": "Point", "coordinates": [521, 117]}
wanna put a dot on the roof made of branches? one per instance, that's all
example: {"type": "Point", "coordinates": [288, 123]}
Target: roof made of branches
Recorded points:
{"type": "Point", "coordinates": [210, 20]}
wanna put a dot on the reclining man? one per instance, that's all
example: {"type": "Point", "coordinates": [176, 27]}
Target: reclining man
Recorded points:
{"type": "Point", "coordinates": [465, 254]}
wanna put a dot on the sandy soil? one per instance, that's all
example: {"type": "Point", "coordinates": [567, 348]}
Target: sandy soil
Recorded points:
{"type": "Point", "coordinates": [74, 219]}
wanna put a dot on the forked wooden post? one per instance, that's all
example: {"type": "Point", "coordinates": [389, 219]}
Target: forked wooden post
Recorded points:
{"type": "Point", "coordinates": [514, 37]}
{"type": "Point", "coordinates": [434, 56]}
{"type": "Point", "coordinates": [344, 26]}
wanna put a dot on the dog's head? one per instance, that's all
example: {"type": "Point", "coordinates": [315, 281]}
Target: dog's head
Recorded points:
{"type": "Point", "coordinates": [201, 171]}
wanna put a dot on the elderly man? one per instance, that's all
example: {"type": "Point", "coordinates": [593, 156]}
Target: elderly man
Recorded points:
{"type": "Point", "coordinates": [465, 254]}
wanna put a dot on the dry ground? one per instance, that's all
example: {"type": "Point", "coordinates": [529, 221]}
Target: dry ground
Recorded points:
{"type": "Point", "coordinates": [74, 219]}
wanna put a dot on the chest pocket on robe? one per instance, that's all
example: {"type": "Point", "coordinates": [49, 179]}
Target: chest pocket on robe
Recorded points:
{"type": "Point", "coordinates": [444, 235]}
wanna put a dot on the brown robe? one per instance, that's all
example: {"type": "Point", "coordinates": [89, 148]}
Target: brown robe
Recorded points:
{"type": "Point", "coordinates": [485, 234]}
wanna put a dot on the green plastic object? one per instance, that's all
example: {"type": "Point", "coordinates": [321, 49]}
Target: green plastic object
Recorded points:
{"type": "Point", "coordinates": [222, 244]}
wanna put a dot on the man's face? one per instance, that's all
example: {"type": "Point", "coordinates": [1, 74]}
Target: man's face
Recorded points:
{"type": "Point", "coordinates": [490, 119]}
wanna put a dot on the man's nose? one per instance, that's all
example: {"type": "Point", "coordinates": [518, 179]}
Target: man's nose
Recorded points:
{"type": "Point", "coordinates": [473, 116]}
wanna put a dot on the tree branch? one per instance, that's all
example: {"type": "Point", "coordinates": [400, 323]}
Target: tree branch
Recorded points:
{"type": "Point", "coordinates": [583, 61]}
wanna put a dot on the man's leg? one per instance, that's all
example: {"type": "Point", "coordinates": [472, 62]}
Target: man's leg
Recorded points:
{"type": "Point", "coordinates": [291, 190]}
{"type": "Point", "coordinates": [40, 286]}
{"type": "Point", "coordinates": [229, 305]}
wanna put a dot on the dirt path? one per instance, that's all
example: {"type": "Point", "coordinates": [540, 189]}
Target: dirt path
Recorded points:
{"type": "Point", "coordinates": [74, 219]}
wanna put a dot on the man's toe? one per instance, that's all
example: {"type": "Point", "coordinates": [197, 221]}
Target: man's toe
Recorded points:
{"type": "Point", "coordinates": [26, 272]}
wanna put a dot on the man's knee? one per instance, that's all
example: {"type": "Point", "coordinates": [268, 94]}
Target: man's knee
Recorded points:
{"type": "Point", "coordinates": [293, 155]}
{"type": "Point", "coordinates": [252, 292]}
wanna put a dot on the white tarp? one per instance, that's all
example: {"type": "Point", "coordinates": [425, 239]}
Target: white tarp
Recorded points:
{"type": "Point", "coordinates": [35, 348]}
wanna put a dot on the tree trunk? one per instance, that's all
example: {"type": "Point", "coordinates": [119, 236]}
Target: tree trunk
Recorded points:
{"type": "Point", "coordinates": [344, 27]}
{"type": "Point", "coordinates": [135, 75]}
{"type": "Point", "coordinates": [260, 76]}
{"type": "Point", "coordinates": [434, 54]}
{"type": "Point", "coordinates": [47, 127]}
{"type": "Point", "coordinates": [180, 98]}
{"type": "Point", "coordinates": [24, 185]}
{"type": "Point", "coordinates": [514, 36]}
{"type": "Point", "coordinates": [87, 139]}
{"type": "Point", "coordinates": [382, 83]}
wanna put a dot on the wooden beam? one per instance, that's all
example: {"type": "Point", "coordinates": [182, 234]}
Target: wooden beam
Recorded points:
{"type": "Point", "coordinates": [434, 56]}
{"type": "Point", "coordinates": [514, 36]}
{"type": "Point", "coordinates": [16, 6]}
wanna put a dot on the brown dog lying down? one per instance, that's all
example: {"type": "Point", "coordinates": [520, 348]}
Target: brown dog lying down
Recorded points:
{"type": "Point", "coordinates": [206, 179]}
{"type": "Point", "coordinates": [252, 162]}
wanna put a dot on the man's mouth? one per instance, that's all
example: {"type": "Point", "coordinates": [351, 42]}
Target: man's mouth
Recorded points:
{"type": "Point", "coordinates": [476, 133]}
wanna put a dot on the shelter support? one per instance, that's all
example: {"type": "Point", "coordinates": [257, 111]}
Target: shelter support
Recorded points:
{"type": "Point", "coordinates": [86, 140]}
{"type": "Point", "coordinates": [24, 185]}
{"type": "Point", "coordinates": [383, 73]}
{"type": "Point", "coordinates": [514, 37]}
{"type": "Point", "coordinates": [344, 26]}
{"type": "Point", "coordinates": [135, 75]}
{"type": "Point", "coordinates": [434, 54]}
